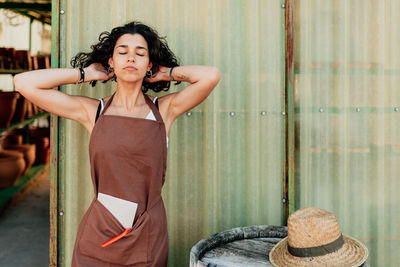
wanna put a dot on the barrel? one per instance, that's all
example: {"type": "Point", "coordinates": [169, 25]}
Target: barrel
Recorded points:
{"type": "Point", "coordinates": [241, 246]}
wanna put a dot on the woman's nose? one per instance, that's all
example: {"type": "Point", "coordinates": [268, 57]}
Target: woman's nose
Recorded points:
{"type": "Point", "coordinates": [131, 57]}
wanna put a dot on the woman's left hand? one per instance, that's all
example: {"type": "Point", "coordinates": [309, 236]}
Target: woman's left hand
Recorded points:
{"type": "Point", "coordinates": [161, 75]}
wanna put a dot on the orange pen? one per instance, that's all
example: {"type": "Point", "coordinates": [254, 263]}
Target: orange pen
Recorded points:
{"type": "Point", "coordinates": [115, 238]}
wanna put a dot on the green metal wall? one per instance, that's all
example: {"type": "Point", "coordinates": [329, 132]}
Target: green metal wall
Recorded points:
{"type": "Point", "coordinates": [225, 157]}
{"type": "Point", "coordinates": [347, 100]}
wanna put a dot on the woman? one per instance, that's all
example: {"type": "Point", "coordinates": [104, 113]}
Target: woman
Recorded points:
{"type": "Point", "coordinates": [128, 137]}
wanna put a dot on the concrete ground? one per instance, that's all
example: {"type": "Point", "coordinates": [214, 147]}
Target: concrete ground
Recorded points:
{"type": "Point", "coordinates": [24, 226]}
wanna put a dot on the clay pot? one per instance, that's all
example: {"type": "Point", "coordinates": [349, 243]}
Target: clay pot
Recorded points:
{"type": "Point", "coordinates": [41, 137]}
{"type": "Point", "coordinates": [39, 132]}
{"type": "Point", "coordinates": [20, 109]}
{"type": "Point", "coordinates": [23, 59]}
{"type": "Point", "coordinates": [42, 150]}
{"type": "Point", "coordinates": [3, 57]}
{"type": "Point", "coordinates": [29, 151]}
{"type": "Point", "coordinates": [11, 53]}
{"type": "Point", "coordinates": [8, 56]}
{"type": "Point", "coordinates": [41, 62]}
{"type": "Point", "coordinates": [31, 109]}
{"type": "Point", "coordinates": [11, 139]}
{"type": "Point", "coordinates": [12, 165]}
{"type": "Point", "coordinates": [7, 107]}
{"type": "Point", "coordinates": [19, 131]}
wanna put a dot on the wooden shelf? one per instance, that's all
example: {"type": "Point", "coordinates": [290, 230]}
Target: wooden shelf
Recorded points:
{"type": "Point", "coordinates": [12, 72]}
{"type": "Point", "coordinates": [25, 122]}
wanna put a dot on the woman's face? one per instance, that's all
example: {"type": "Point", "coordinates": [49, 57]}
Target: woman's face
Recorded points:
{"type": "Point", "coordinates": [130, 58]}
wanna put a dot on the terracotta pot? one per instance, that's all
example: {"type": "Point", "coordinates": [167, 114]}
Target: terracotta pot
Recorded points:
{"type": "Point", "coordinates": [20, 109]}
{"type": "Point", "coordinates": [7, 107]}
{"type": "Point", "coordinates": [10, 56]}
{"type": "Point", "coordinates": [39, 132]}
{"type": "Point", "coordinates": [35, 109]}
{"type": "Point", "coordinates": [23, 59]}
{"type": "Point", "coordinates": [31, 109]}
{"type": "Point", "coordinates": [29, 151]}
{"type": "Point", "coordinates": [18, 131]}
{"type": "Point", "coordinates": [11, 139]}
{"type": "Point", "coordinates": [42, 150]}
{"type": "Point", "coordinates": [41, 137]}
{"type": "Point", "coordinates": [3, 57]}
{"type": "Point", "coordinates": [11, 51]}
{"type": "Point", "coordinates": [41, 62]}
{"type": "Point", "coordinates": [12, 165]}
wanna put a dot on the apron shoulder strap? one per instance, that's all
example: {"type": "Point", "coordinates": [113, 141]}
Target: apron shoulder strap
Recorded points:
{"type": "Point", "coordinates": [156, 102]}
{"type": "Point", "coordinates": [99, 108]}
{"type": "Point", "coordinates": [154, 108]}
{"type": "Point", "coordinates": [107, 104]}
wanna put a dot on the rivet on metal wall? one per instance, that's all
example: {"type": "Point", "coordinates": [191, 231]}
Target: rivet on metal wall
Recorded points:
{"type": "Point", "coordinates": [61, 213]}
{"type": "Point", "coordinates": [283, 113]}
{"type": "Point", "coordinates": [232, 113]}
{"type": "Point", "coordinates": [189, 114]}
{"type": "Point", "coordinates": [358, 109]}
{"type": "Point", "coordinates": [62, 12]}
{"type": "Point", "coordinates": [396, 109]}
{"type": "Point", "coordinates": [321, 110]}
{"type": "Point", "coordinates": [263, 113]}
{"type": "Point", "coordinates": [283, 5]}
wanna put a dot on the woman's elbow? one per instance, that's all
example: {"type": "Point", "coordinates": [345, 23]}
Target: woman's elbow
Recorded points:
{"type": "Point", "coordinates": [18, 82]}
{"type": "Point", "coordinates": [215, 75]}
{"type": "Point", "coordinates": [21, 83]}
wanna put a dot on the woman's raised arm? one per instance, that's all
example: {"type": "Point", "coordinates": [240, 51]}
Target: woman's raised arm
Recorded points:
{"type": "Point", "coordinates": [37, 86]}
{"type": "Point", "coordinates": [202, 79]}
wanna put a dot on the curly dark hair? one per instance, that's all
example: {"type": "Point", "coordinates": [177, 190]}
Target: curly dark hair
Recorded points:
{"type": "Point", "coordinates": [159, 52]}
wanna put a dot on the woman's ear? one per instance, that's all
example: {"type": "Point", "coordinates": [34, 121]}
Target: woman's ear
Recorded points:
{"type": "Point", "coordinates": [110, 62]}
{"type": "Point", "coordinates": [149, 66]}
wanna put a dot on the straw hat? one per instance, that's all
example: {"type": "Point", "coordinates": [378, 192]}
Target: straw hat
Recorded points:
{"type": "Point", "coordinates": [315, 238]}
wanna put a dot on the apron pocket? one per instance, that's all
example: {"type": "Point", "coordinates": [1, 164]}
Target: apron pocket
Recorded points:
{"type": "Point", "coordinates": [101, 226]}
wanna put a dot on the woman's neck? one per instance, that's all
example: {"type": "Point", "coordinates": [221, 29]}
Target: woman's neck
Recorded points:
{"type": "Point", "coordinates": [128, 96]}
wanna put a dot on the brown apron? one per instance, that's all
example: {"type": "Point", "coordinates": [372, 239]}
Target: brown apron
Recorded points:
{"type": "Point", "coordinates": [128, 160]}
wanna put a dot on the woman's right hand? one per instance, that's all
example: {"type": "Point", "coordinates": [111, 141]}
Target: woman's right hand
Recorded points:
{"type": "Point", "coordinates": [96, 72]}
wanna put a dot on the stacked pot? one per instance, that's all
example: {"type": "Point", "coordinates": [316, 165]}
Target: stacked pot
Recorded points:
{"type": "Point", "coordinates": [40, 136]}
{"type": "Point", "coordinates": [12, 165]}
{"type": "Point", "coordinates": [11, 152]}
{"type": "Point", "coordinates": [10, 59]}
{"type": "Point", "coordinates": [16, 156]}
{"type": "Point", "coordinates": [14, 108]}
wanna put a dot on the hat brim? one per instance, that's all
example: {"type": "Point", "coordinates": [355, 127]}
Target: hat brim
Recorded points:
{"type": "Point", "coordinates": [352, 253]}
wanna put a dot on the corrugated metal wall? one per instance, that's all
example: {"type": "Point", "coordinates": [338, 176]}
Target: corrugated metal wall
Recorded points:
{"type": "Point", "coordinates": [347, 70]}
{"type": "Point", "coordinates": [225, 157]}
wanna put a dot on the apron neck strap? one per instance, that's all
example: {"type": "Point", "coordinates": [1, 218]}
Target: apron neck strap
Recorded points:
{"type": "Point", "coordinates": [108, 104]}
{"type": "Point", "coordinates": [153, 108]}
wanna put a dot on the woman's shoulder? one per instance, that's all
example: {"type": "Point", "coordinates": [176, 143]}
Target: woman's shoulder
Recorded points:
{"type": "Point", "coordinates": [154, 98]}
{"type": "Point", "coordinates": [162, 98]}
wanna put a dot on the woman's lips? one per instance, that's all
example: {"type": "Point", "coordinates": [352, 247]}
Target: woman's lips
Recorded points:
{"type": "Point", "coordinates": [130, 68]}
